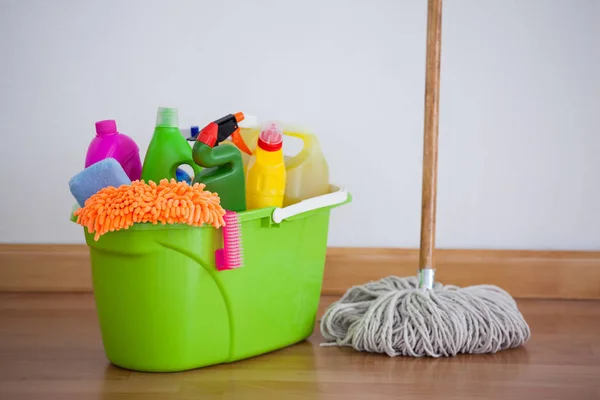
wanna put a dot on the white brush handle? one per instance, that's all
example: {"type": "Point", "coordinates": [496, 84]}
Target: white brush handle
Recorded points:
{"type": "Point", "coordinates": [331, 199]}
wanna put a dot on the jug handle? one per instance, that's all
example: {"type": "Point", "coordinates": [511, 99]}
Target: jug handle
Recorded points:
{"type": "Point", "coordinates": [334, 198]}
{"type": "Point", "coordinates": [303, 154]}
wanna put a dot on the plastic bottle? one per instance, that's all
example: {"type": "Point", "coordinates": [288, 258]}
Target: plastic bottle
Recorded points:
{"type": "Point", "coordinates": [266, 177]}
{"type": "Point", "coordinates": [168, 149]}
{"type": "Point", "coordinates": [224, 169]}
{"type": "Point", "coordinates": [109, 143]}
{"type": "Point", "coordinates": [194, 131]}
{"type": "Point", "coordinates": [181, 175]}
{"type": "Point", "coordinates": [249, 131]}
{"type": "Point", "coordinates": [307, 171]}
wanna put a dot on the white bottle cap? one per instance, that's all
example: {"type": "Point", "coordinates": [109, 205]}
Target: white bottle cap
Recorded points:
{"type": "Point", "coordinates": [167, 117]}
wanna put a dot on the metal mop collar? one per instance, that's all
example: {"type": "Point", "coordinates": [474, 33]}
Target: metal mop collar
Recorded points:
{"type": "Point", "coordinates": [417, 316]}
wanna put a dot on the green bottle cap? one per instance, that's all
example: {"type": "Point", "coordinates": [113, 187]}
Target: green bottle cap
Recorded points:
{"type": "Point", "coordinates": [167, 117]}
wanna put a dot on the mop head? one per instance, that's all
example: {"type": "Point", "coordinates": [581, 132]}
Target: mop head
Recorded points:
{"type": "Point", "coordinates": [394, 317]}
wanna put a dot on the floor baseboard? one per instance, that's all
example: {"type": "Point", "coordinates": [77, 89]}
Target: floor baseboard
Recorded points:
{"type": "Point", "coordinates": [524, 274]}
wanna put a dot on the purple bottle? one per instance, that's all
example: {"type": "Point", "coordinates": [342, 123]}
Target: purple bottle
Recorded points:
{"type": "Point", "coordinates": [109, 143]}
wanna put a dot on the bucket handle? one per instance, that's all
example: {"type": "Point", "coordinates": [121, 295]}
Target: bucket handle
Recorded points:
{"type": "Point", "coordinates": [335, 197]}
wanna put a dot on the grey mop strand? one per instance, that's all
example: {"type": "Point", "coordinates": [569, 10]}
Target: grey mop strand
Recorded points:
{"type": "Point", "coordinates": [394, 317]}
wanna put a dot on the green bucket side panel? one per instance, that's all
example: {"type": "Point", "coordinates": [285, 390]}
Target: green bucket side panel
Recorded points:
{"type": "Point", "coordinates": [274, 298]}
{"type": "Point", "coordinates": [159, 309]}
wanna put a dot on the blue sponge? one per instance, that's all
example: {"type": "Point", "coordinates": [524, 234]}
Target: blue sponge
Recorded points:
{"type": "Point", "coordinates": [88, 182]}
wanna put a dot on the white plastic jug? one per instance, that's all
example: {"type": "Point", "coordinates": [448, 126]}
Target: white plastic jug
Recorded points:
{"type": "Point", "coordinates": [307, 171]}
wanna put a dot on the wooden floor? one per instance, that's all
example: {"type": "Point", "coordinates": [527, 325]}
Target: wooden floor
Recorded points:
{"type": "Point", "coordinates": [50, 348]}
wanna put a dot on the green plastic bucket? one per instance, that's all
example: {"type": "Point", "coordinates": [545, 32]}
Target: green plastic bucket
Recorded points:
{"type": "Point", "coordinates": [163, 306]}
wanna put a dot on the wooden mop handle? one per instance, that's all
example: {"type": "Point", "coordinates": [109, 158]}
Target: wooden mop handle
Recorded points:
{"type": "Point", "coordinates": [430, 143]}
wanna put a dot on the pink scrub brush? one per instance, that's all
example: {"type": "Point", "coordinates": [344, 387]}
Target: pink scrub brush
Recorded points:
{"type": "Point", "coordinates": [231, 256]}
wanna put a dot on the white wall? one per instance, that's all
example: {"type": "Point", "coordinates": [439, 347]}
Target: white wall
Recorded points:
{"type": "Point", "coordinates": [520, 105]}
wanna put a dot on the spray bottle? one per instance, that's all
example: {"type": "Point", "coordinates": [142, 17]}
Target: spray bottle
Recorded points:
{"type": "Point", "coordinates": [223, 171]}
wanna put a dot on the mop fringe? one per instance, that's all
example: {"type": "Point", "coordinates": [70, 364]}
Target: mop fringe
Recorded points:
{"type": "Point", "coordinates": [394, 317]}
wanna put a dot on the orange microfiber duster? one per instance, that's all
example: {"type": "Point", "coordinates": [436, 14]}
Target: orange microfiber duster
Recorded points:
{"type": "Point", "coordinates": [171, 202]}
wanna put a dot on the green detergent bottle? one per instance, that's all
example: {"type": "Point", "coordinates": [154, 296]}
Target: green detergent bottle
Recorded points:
{"type": "Point", "coordinates": [223, 171]}
{"type": "Point", "coordinates": [168, 149]}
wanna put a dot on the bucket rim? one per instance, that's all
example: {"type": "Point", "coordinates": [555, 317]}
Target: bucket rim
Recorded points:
{"type": "Point", "coordinates": [249, 215]}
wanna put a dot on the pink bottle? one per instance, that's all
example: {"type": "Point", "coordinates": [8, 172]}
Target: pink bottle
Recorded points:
{"type": "Point", "coordinates": [109, 143]}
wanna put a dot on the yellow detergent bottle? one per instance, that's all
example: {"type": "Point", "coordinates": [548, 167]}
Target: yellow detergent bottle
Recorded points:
{"type": "Point", "coordinates": [307, 171]}
{"type": "Point", "coordinates": [266, 176]}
